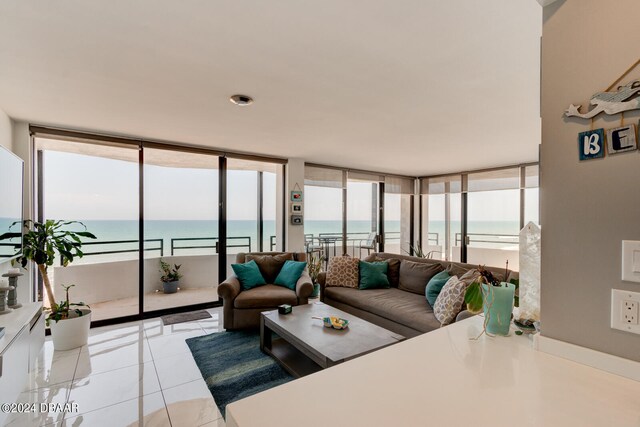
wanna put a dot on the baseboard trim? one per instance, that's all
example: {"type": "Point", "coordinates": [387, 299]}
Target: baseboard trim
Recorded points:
{"type": "Point", "coordinates": [586, 356]}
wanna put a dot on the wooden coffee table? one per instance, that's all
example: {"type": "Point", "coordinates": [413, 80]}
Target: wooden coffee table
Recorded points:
{"type": "Point", "coordinates": [305, 346]}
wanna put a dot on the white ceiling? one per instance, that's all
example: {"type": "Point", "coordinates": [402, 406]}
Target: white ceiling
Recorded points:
{"type": "Point", "coordinates": [414, 87]}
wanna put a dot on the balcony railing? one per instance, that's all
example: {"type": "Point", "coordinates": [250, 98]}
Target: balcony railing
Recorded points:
{"type": "Point", "coordinates": [120, 250]}
{"type": "Point", "coordinates": [111, 247]}
{"type": "Point", "coordinates": [239, 242]}
{"type": "Point", "coordinates": [244, 242]}
{"type": "Point", "coordinates": [488, 238]}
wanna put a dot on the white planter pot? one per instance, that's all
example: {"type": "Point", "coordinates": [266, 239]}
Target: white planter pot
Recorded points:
{"type": "Point", "coordinates": [71, 333]}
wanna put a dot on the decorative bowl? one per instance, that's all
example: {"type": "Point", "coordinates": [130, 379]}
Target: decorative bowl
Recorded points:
{"type": "Point", "coordinates": [335, 322]}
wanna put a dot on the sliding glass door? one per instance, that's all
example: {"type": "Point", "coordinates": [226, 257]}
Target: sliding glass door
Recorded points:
{"type": "Point", "coordinates": [251, 207]}
{"type": "Point", "coordinates": [441, 213]}
{"type": "Point", "coordinates": [180, 216]}
{"type": "Point", "coordinates": [153, 206]}
{"type": "Point", "coordinates": [323, 210]}
{"type": "Point", "coordinates": [494, 206]}
{"type": "Point", "coordinates": [363, 213]}
{"type": "Point", "coordinates": [493, 218]}
{"type": "Point", "coordinates": [398, 215]}
{"type": "Point", "coordinates": [96, 184]}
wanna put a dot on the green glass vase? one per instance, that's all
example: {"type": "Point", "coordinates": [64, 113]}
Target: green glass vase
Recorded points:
{"type": "Point", "coordinates": [498, 306]}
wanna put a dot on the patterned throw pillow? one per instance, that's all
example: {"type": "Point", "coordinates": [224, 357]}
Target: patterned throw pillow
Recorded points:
{"type": "Point", "coordinates": [449, 302]}
{"type": "Point", "coordinates": [343, 271]}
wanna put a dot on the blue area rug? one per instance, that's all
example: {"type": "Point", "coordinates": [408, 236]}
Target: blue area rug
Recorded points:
{"type": "Point", "coordinates": [233, 366]}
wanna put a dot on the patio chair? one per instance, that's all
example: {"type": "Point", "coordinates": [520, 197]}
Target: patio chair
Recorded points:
{"type": "Point", "coordinates": [369, 244]}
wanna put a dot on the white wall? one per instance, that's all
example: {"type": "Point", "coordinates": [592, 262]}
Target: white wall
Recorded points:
{"type": "Point", "coordinates": [295, 233]}
{"type": "Point", "coordinates": [6, 131]}
{"type": "Point", "coordinates": [15, 136]}
{"type": "Point", "coordinates": [107, 281]}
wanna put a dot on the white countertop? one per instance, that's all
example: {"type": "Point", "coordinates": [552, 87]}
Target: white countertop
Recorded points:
{"type": "Point", "coordinates": [443, 378]}
{"type": "Point", "coordinates": [15, 321]}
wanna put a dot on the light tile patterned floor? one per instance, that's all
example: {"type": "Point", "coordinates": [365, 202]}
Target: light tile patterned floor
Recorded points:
{"type": "Point", "coordinates": [152, 301]}
{"type": "Point", "coordinates": [138, 373]}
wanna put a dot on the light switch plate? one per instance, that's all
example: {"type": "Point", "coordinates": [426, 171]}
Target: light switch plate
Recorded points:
{"type": "Point", "coordinates": [631, 261]}
{"type": "Point", "coordinates": [624, 310]}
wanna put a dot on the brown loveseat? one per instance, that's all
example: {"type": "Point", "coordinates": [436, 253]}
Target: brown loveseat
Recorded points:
{"type": "Point", "coordinates": [401, 311]}
{"type": "Point", "coordinates": [241, 309]}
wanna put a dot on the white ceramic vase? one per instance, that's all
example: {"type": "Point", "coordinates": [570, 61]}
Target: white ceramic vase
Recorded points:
{"type": "Point", "coordinates": [71, 333]}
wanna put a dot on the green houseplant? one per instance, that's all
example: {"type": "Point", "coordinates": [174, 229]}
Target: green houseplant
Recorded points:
{"type": "Point", "coordinates": [314, 264]}
{"type": "Point", "coordinates": [42, 243]}
{"type": "Point", "coordinates": [170, 277]}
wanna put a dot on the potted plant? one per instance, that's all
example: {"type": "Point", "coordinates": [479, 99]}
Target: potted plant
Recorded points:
{"type": "Point", "coordinates": [314, 264]}
{"type": "Point", "coordinates": [170, 277]}
{"type": "Point", "coordinates": [69, 327]}
{"type": "Point", "coordinates": [42, 241]}
{"type": "Point", "coordinates": [493, 297]}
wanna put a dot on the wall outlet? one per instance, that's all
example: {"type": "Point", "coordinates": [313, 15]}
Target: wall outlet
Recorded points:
{"type": "Point", "coordinates": [629, 312]}
{"type": "Point", "coordinates": [625, 311]}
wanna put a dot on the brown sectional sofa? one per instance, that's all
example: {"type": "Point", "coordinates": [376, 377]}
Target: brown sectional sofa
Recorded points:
{"type": "Point", "coordinates": [397, 309]}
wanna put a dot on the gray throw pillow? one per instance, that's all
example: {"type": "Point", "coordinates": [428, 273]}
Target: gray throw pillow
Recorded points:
{"type": "Point", "coordinates": [414, 276]}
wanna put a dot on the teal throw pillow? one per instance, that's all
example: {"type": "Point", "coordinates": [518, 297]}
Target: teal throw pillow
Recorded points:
{"type": "Point", "coordinates": [373, 275]}
{"type": "Point", "coordinates": [290, 273]}
{"type": "Point", "coordinates": [249, 275]}
{"type": "Point", "coordinates": [435, 286]}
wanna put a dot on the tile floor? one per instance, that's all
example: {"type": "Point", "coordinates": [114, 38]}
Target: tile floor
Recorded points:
{"type": "Point", "coordinates": [152, 301]}
{"type": "Point", "coordinates": [138, 373]}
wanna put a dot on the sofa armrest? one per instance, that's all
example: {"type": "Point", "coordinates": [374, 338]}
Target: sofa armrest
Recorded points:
{"type": "Point", "coordinates": [304, 286]}
{"type": "Point", "coordinates": [322, 280]}
{"type": "Point", "coordinates": [230, 288]}
{"type": "Point", "coordinates": [464, 314]}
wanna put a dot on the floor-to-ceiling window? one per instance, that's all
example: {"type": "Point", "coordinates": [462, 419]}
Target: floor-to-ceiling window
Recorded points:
{"type": "Point", "coordinates": [532, 194]}
{"type": "Point", "coordinates": [323, 210]}
{"type": "Point", "coordinates": [441, 217]}
{"type": "Point", "coordinates": [357, 212]}
{"type": "Point", "coordinates": [493, 217]}
{"type": "Point", "coordinates": [97, 184]}
{"type": "Point", "coordinates": [251, 207]}
{"type": "Point", "coordinates": [181, 213]}
{"type": "Point", "coordinates": [363, 212]}
{"type": "Point", "coordinates": [105, 182]}
{"type": "Point", "coordinates": [398, 215]}
{"type": "Point", "coordinates": [497, 204]}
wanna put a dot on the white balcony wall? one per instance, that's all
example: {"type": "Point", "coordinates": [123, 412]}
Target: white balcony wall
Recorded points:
{"type": "Point", "coordinates": [107, 281]}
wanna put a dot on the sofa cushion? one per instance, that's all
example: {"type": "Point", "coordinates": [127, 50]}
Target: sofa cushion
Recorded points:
{"type": "Point", "coordinates": [270, 265]}
{"type": "Point", "coordinates": [373, 275]}
{"type": "Point", "coordinates": [458, 269]}
{"type": "Point", "coordinates": [267, 296]}
{"type": "Point", "coordinates": [449, 302]}
{"type": "Point", "coordinates": [402, 307]}
{"type": "Point", "coordinates": [249, 275]}
{"type": "Point", "coordinates": [343, 271]}
{"type": "Point", "coordinates": [393, 273]}
{"type": "Point", "coordinates": [414, 276]}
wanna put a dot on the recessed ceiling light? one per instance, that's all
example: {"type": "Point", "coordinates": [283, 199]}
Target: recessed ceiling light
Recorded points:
{"type": "Point", "coordinates": [241, 100]}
